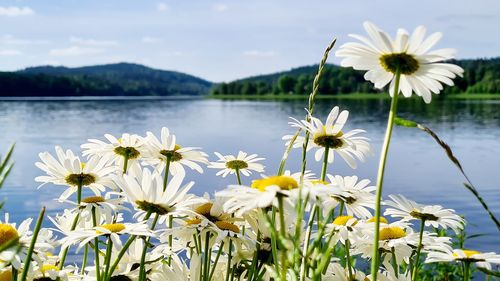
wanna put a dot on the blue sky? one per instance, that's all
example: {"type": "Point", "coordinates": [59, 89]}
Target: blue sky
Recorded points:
{"type": "Point", "coordinates": [224, 40]}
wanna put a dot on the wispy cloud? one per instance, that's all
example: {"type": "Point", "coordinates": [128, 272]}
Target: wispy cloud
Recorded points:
{"type": "Point", "coordinates": [150, 40]}
{"type": "Point", "coordinates": [92, 42]}
{"type": "Point", "coordinates": [220, 7]}
{"type": "Point", "coordinates": [75, 51]}
{"type": "Point", "coordinates": [10, 53]}
{"type": "Point", "coordinates": [9, 39]}
{"type": "Point", "coordinates": [162, 7]}
{"type": "Point", "coordinates": [13, 11]}
{"type": "Point", "coordinates": [462, 17]}
{"type": "Point", "coordinates": [259, 54]}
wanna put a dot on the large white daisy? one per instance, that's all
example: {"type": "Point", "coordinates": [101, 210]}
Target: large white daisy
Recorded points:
{"type": "Point", "coordinates": [349, 145]}
{"type": "Point", "coordinates": [123, 151]}
{"type": "Point", "coordinates": [459, 255]}
{"type": "Point", "coordinates": [70, 171]}
{"type": "Point", "coordinates": [434, 215]}
{"type": "Point", "coordinates": [421, 70]}
{"type": "Point", "coordinates": [243, 163]}
{"type": "Point", "coordinates": [158, 151]}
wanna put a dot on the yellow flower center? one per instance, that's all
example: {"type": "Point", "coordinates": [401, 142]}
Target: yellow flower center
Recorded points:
{"type": "Point", "coordinates": [80, 179]}
{"type": "Point", "coordinates": [405, 63]}
{"type": "Point", "coordinates": [325, 140]}
{"type": "Point", "coordinates": [127, 152]}
{"type": "Point", "coordinates": [113, 227]}
{"type": "Point", "coordinates": [225, 225]}
{"type": "Point", "coordinates": [193, 221]}
{"type": "Point", "coordinates": [342, 220]}
{"type": "Point", "coordinates": [152, 207]}
{"type": "Point", "coordinates": [236, 164]}
{"type": "Point", "coordinates": [93, 199]}
{"type": "Point", "coordinates": [6, 275]}
{"type": "Point", "coordinates": [7, 234]}
{"type": "Point", "coordinates": [204, 209]}
{"type": "Point", "coordinates": [48, 267]}
{"type": "Point", "coordinates": [283, 182]}
{"type": "Point", "coordinates": [390, 233]}
{"type": "Point", "coordinates": [318, 182]}
{"type": "Point", "coordinates": [173, 155]}
{"type": "Point", "coordinates": [381, 219]}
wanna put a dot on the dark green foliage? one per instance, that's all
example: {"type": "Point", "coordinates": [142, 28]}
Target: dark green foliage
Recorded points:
{"type": "Point", "coordinates": [481, 76]}
{"type": "Point", "coordinates": [122, 79]}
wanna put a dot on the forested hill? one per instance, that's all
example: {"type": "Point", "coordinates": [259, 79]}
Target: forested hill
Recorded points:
{"type": "Point", "coordinates": [121, 79]}
{"type": "Point", "coordinates": [481, 76]}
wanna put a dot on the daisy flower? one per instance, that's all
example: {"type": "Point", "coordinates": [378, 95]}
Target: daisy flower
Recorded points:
{"type": "Point", "coordinates": [166, 149]}
{"type": "Point", "coordinates": [70, 171]}
{"type": "Point", "coordinates": [409, 57]}
{"type": "Point", "coordinates": [230, 164]}
{"type": "Point", "coordinates": [104, 206]}
{"type": "Point", "coordinates": [262, 193]}
{"type": "Point", "coordinates": [433, 215]}
{"type": "Point", "coordinates": [356, 196]}
{"type": "Point", "coordinates": [145, 192]}
{"type": "Point", "coordinates": [459, 255]}
{"type": "Point", "coordinates": [343, 226]}
{"type": "Point", "coordinates": [123, 151]}
{"type": "Point", "coordinates": [330, 137]}
{"type": "Point", "coordinates": [111, 230]}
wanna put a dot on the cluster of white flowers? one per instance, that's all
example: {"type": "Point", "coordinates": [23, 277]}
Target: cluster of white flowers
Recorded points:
{"type": "Point", "coordinates": [140, 220]}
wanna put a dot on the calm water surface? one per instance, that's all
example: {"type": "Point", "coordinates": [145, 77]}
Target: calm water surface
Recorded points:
{"type": "Point", "coordinates": [416, 166]}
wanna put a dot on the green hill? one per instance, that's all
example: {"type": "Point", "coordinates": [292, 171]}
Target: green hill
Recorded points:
{"type": "Point", "coordinates": [121, 79]}
{"type": "Point", "coordinates": [481, 76]}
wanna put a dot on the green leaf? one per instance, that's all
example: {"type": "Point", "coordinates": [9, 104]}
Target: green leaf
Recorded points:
{"type": "Point", "coordinates": [405, 123]}
{"type": "Point", "coordinates": [489, 272]}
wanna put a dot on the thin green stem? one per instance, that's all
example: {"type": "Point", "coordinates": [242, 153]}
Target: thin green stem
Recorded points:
{"type": "Point", "coordinates": [125, 163]}
{"type": "Point", "coordinates": [348, 258]}
{"type": "Point", "coordinates": [229, 260]}
{"type": "Point", "coordinates": [419, 249]}
{"type": "Point", "coordinates": [96, 246]}
{"type": "Point", "coordinates": [305, 259]}
{"type": "Point", "coordinates": [219, 252]}
{"type": "Point", "coordinates": [238, 177]}
{"type": "Point", "coordinates": [32, 244]}
{"type": "Point", "coordinates": [142, 268]}
{"type": "Point", "coordinates": [325, 163]}
{"type": "Point", "coordinates": [107, 258]}
{"type": "Point", "coordinates": [466, 271]}
{"type": "Point", "coordinates": [394, 262]}
{"type": "Point", "coordinates": [206, 260]}
{"type": "Point", "coordinates": [380, 176]}
{"type": "Point", "coordinates": [85, 257]}
{"type": "Point", "coordinates": [281, 211]}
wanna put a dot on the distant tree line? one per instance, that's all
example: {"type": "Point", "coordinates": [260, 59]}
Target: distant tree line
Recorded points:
{"type": "Point", "coordinates": [481, 76]}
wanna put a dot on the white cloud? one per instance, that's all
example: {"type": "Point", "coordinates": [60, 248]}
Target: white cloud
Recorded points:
{"type": "Point", "coordinates": [259, 54]}
{"type": "Point", "coordinates": [220, 7]}
{"type": "Point", "coordinates": [92, 42]}
{"type": "Point", "coordinates": [150, 40]}
{"type": "Point", "coordinates": [162, 7]}
{"type": "Point", "coordinates": [9, 39]}
{"type": "Point", "coordinates": [173, 54]}
{"type": "Point", "coordinates": [10, 53]}
{"type": "Point", "coordinates": [75, 51]}
{"type": "Point", "coordinates": [13, 11]}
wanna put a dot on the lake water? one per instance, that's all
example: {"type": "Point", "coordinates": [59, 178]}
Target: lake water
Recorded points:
{"type": "Point", "coordinates": [417, 167]}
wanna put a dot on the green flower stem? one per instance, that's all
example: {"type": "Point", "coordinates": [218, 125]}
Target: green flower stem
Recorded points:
{"type": "Point", "coordinates": [32, 244]}
{"type": "Point", "coordinates": [219, 252]}
{"type": "Point", "coordinates": [419, 248]}
{"type": "Point", "coordinates": [238, 177]}
{"type": "Point", "coordinates": [380, 176]}
{"type": "Point", "coordinates": [65, 251]}
{"type": "Point", "coordinates": [14, 274]}
{"type": "Point", "coordinates": [325, 163]}
{"type": "Point", "coordinates": [85, 257]}
{"type": "Point", "coordinates": [274, 241]}
{"type": "Point", "coordinates": [394, 262]}
{"type": "Point", "coordinates": [283, 236]}
{"type": "Point", "coordinates": [107, 259]}
{"type": "Point", "coordinates": [206, 258]}
{"type": "Point", "coordinates": [287, 152]}
{"type": "Point", "coordinates": [125, 163]}
{"type": "Point", "coordinates": [466, 271]}
{"type": "Point", "coordinates": [170, 237]}
{"type": "Point", "coordinates": [305, 259]}
{"type": "Point", "coordinates": [96, 246]}
{"type": "Point", "coordinates": [348, 258]}
{"type": "Point", "coordinates": [79, 194]}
